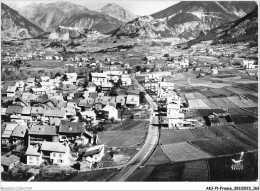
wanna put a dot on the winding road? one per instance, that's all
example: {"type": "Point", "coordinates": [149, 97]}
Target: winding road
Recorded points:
{"type": "Point", "coordinates": [149, 146]}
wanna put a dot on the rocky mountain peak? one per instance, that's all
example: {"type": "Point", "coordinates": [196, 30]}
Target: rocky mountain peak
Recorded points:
{"type": "Point", "coordinates": [14, 25]}
{"type": "Point", "coordinates": [117, 12]}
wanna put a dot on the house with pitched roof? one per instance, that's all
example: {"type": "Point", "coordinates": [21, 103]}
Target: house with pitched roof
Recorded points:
{"type": "Point", "coordinates": [40, 133]}
{"type": "Point", "coordinates": [55, 152]}
{"type": "Point", "coordinates": [109, 112]}
{"type": "Point", "coordinates": [120, 100]}
{"type": "Point", "coordinates": [126, 80]}
{"type": "Point", "coordinates": [168, 86]}
{"type": "Point", "coordinates": [71, 129]}
{"type": "Point", "coordinates": [98, 78]}
{"type": "Point", "coordinates": [174, 115]}
{"type": "Point", "coordinates": [6, 135]}
{"type": "Point", "coordinates": [44, 78]}
{"type": "Point", "coordinates": [55, 112]}
{"type": "Point", "coordinates": [94, 154]}
{"type": "Point", "coordinates": [132, 101]}
{"type": "Point", "coordinates": [19, 135]}
{"type": "Point", "coordinates": [11, 90]}
{"type": "Point", "coordinates": [72, 77]}
{"type": "Point", "coordinates": [89, 115]}
{"type": "Point", "coordinates": [86, 104]}
{"type": "Point", "coordinates": [33, 155]}
{"type": "Point", "coordinates": [37, 112]}
{"type": "Point", "coordinates": [14, 110]}
{"type": "Point", "coordinates": [30, 82]}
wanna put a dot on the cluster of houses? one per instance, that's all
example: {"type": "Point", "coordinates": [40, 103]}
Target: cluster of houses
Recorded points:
{"type": "Point", "coordinates": [51, 116]}
{"type": "Point", "coordinates": [172, 106]}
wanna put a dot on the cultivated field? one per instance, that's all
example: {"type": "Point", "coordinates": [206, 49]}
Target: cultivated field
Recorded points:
{"type": "Point", "coordinates": [183, 152]}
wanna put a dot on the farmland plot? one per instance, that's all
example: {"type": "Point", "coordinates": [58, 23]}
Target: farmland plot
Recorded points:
{"type": "Point", "coordinates": [195, 171]}
{"type": "Point", "coordinates": [198, 95]}
{"type": "Point", "coordinates": [193, 104]}
{"type": "Point", "coordinates": [237, 101]}
{"type": "Point", "coordinates": [238, 138]}
{"type": "Point", "coordinates": [185, 135]}
{"type": "Point", "coordinates": [216, 147]}
{"type": "Point", "coordinates": [140, 174]}
{"type": "Point", "coordinates": [249, 129]}
{"type": "Point", "coordinates": [203, 133]}
{"type": "Point", "coordinates": [249, 102]}
{"type": "Point", "coordinates": [169, 136]}
{"type": "Point", "coordinates": [190, 96]}
{"type": "Point", "coordinates": [211, 104]}
{"type": "Point", "coordinates": [235, 111]}
{"type": "Point", "coordinates": [242, 119]}
{"type": "Point", "coordinates": [222, 92]}
{"type": "Point", "coordinates": [248, 112]}
{"type": "Point", "coordinates": [202, 105]}
{"type": "Point", "coordinates": [122, 138]}
{"type": "Point", "coordinates": [158, 157]}
{"type": "Point", "coordinates": [252, 109]}
{"type": "Point", "coordinates": [183, 152]}
{"type": "Point", "coordinates": [208, 93]}
{"type": "Point", "coordinates": [218, 102]}
{"type": "Point", "coordinates": [228, 103]}
{"type": "Point", "coordinates": [128, 125]}
{"type": "Point", "coordinates": [167, 172]}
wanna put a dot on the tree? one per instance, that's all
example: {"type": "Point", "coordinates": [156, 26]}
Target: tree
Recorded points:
{"type": "Point", "coordinates": [138, 68]}
{"type": "Point", "coordinates": [113, 91]}
{"type": "Point", "coordinates": [119, 82]}
{"type": "Point", "coordinates": [52, 74]}
{"type": "Point", "coordinates": [85, 82]}
{"type": "Point", "coordinates": [57, 74]}
{"type": "Point", "coordinates": [64, 77]}
{"type": "Point", "coordinates": [142, 97]}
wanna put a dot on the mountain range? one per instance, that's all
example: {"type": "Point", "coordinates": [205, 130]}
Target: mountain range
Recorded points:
{"type": "Point", "coordinates": [242, 30]}
{"type": "Point", "coordinates": [49, 16]}
{"type": "Point", "coordinates": [184, 20]}
{"type": "Point", "coordinates": [15, 25]}
{"type": "Point", "coordinates": [188, 18]}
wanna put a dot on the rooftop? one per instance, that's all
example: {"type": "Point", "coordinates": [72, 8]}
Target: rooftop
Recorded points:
{"type": "Point", "coordinates": [32, 150]}
{"type": "Point", "coordinates": [19, 131]}
{"type": "Point", "coordinates": [53, 146]}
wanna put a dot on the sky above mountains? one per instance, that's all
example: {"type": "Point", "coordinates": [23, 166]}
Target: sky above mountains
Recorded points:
{"type": "Point", "coordinates": [138, 7]}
